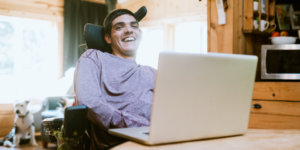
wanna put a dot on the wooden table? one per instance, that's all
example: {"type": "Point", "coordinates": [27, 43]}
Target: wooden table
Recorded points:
{"type": "Point", "coordinates": [254, 139]}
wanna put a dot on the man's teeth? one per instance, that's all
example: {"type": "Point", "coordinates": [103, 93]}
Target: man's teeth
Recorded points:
{"type": "Point", "coordinates": [129, 39]}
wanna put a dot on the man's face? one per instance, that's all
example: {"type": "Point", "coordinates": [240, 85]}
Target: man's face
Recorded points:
{"type": "Point", "coordinates": [125, 36]}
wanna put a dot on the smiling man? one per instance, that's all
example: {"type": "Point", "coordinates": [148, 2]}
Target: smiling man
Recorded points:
{"type": "Point", "coordinates": [123, 35]}
{"type": "Point", "coordinates": [117, 91]}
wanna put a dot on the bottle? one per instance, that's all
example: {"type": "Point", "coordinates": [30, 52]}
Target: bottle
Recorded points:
{"type": "Point", "coordinates": [263, 6]}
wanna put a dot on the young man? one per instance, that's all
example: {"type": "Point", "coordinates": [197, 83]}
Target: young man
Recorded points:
{"type": "Point", "coordinates": [117, 91]}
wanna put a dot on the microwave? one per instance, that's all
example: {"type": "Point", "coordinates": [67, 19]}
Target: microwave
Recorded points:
{"type": "Point", "coordinates": [280, 62]}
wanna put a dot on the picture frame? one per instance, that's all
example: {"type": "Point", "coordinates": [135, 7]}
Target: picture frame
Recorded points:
{"type": "Point", "coordinates": [283, 16]}
{"type": "Point", "coordinates": [295, 20]}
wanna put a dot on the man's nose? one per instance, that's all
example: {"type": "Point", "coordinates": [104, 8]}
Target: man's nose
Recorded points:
{"type": "Point", "coordinates": [128, 30]}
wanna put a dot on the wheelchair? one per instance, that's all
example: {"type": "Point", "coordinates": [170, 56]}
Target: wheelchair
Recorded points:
{"type": "Point", "coordinates": [70, 131]}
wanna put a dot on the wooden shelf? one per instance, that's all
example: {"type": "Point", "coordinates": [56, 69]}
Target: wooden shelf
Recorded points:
{"type": "Point", "coordinates": [249, 15]}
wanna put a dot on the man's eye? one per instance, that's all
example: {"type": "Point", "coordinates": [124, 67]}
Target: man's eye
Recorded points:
{"type": "Point", "coordinates": [135, 25]}
{"type": "Point", "coordinates": [118, 28]}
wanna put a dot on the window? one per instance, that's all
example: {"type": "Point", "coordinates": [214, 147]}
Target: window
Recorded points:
{"type": "Point", "coordinates": [179, 36]}
{"type": "Point", "coordinates": [28, 57]}
{"type": "Point", "coordinates": [195, 32]}
{"type": "Point", "coordinates": [151, 44]}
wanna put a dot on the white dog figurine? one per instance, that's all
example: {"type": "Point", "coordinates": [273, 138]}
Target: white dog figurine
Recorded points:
{"type": "Point", "coordinates": [24, 124]}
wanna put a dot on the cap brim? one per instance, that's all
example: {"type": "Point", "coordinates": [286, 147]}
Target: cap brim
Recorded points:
{"type": "Point", "coordinates": [141, 13]}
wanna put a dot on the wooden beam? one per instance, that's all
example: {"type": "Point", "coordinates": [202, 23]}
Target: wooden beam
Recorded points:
{"type": "Point", "coordinates": [220, 36]}
{"type": "Point", "coordinates": [248, 16]}
{"type": "Point", "coordinates": [95, 1]}
{"type": "Point", "coordinates": [57, 3]}
{"type": "Point", "coordinates": [40, 9]}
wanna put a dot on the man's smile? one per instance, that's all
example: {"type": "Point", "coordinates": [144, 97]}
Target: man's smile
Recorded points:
{"type": "Point", "coordinates": [128, 39]}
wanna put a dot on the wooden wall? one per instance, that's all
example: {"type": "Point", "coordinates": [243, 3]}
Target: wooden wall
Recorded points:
{"type": "Point", "coordinates": [37, 9]}
{"type": "Point", "coordinates": [227, 38]}
{"type": "Point", "coordinates": [161, 10]}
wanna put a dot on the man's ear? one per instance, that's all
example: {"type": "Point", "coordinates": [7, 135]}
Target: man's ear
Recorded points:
{"type": "Point", "coordinates": [107, 39]}
{"type": "Point", "coordinates": [141, 31]}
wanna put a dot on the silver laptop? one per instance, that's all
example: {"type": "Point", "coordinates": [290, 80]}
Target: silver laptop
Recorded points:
{"type": "Point", "coordinates": [197, 96]}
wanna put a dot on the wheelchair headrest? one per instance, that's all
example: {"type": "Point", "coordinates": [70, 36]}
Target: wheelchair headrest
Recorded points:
{"type": "Point", "coordinates": [94, 34]}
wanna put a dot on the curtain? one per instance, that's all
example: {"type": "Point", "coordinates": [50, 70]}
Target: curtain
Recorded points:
{"type": "Point", "coordinates": [76, 14]}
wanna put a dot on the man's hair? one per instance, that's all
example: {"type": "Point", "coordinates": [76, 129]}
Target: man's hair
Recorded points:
{"type": "Point", "coordinates": [111, 16]}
